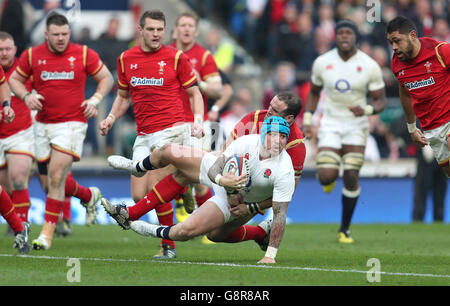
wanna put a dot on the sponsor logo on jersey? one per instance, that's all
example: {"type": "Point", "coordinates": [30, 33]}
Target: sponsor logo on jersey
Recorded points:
{"type": "Point", "coordinates": [135, 81]}
{"type": "Point", "coordinates": [342, 85]}
{"type": "Point", "coordinates": [419, 84]}
{"type": "Point", "coordinates": [49, 76]}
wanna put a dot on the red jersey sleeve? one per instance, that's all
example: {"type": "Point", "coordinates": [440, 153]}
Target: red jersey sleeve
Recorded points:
{"type": "Point", "coordinates": [209, 67]}
{"type": "Point", "coordinates": [297, 152]}
{"type": "Point", "coordinates": [185, 73]}
{"type": "Point", "coordinates": [443, 54]}
{"type": "Point", "coordinates": [122, 82]}
{"type": "Point", "coordinates": [92, 61]}
{"type": "Point", "coordinates": [248, 125]}
{"type": "Point", "coordinates": [2, 76]}
{"type": "Point", "coordinates": [24, 66]}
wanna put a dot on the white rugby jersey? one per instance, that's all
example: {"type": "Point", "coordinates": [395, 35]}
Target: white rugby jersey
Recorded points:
{"type": "Point", "coordinates": [272, 177]}
{"type": "Point", "coordinates": [346, 83]}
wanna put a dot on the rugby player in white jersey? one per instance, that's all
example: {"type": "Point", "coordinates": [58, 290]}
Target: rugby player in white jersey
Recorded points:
{"type": "Point", "coordinates": [270, 183]}
{"type": "Point", "coordinates": [347, 75]}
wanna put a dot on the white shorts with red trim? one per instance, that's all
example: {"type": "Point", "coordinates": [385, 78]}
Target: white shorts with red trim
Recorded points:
{"type": "Point", "coordinates": [145, 144]}
{"type": "Point", "coordinates": [65, 137]}
{"type": "Point", "coordinates": [437, 138]}
{"type": "Point", "coordinates": [20, 143]}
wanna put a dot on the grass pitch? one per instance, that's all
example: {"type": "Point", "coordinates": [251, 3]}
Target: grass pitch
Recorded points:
{"type": "Point", "coordinates": [416, 254]}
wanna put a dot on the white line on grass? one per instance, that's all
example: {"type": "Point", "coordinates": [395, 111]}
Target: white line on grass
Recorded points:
{"type": "Point", "coordinates": [224, 264]}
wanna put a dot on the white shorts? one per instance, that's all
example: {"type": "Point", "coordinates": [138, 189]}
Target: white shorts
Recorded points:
{"type": "Point", "coordinates": [437, 138]}
{"type": "Point", "coordinates": [66, 137]}
{"type": "Point", "coordinates": [145, 144]}
{"type": "Point", "coordinates": [20, 143]}
{"type": "Point", "coordinates": [334, 133]}
{"type": "Point", "coordinates": [205, 142]}
{"type": "Point", "coordinates": [220, 195]}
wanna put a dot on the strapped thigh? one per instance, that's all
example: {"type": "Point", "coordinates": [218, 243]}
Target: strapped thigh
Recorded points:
{"type": "Point", "coordinates": [353, 161]}
{"type": "Point", "coordinates": [328, 159]}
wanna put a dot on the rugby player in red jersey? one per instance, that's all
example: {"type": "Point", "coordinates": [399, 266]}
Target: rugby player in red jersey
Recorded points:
{"type": "Point", "coordinates": [152, 76]}
{"type": "Point", "coordinates": [287, 105]}
{"type": "Point", "coordinates": [422, 65]}
{"type": "Point", "coordinates": [59, 70]}
{"type": "Point", "coordinates": [19, 228]}
{"type": "Point", "coordinates": [210, 84]}
{"type": "Point", "coordinates": [16, 138]}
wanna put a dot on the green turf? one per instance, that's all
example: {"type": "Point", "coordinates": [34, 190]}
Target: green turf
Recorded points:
{"type": "Point", "coordinates": [309, 255]}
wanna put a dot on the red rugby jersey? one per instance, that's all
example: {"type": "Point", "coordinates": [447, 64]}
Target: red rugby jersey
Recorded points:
{"type": "Point", "coordinates": [427, 80]}
{"type": "Point", "coordinates": [22, 119]}
{"type": "Point", "coordinates": [155, 80]}
{"type": "Point", "coordinates": [202, 61]}
{"type": "Point", "coordinates": [295, 147]}
{"type": "Point", "coordinates": [60, 78]}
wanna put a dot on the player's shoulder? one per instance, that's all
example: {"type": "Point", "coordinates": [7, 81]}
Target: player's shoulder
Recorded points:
{"type": "Point", "coordinates": [322, 60]}
{"type": "Point", "coordinates": [284, 164]}
{"type": "Point", "coordinates": [429, 44]}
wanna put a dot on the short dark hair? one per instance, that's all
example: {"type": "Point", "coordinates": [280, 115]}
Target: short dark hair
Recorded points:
{"type": "Point", "coordinates": [401, 24]}
{"type": "Point", "coordinates": [56, 19]}
{"type": "Point", "coordinates": [293, 102]}
{"type": "Point", "coordinates": [156, 15]}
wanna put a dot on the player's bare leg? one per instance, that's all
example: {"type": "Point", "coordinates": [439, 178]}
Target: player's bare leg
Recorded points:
{"type": "Point", "coordinates": [353, 159]}
{"type": "Point", "coordinates": [58, 169]}
{"type": "Point", "coordinates": [202, 221]}
{"type": "Point", "coordinates": [186, 159]}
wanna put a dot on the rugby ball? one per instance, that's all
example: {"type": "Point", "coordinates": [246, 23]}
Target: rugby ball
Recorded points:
{"type": "Point", "coordinates": [236, 165]}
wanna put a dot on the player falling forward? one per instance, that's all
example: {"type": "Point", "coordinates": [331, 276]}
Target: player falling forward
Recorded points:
{"type": "Point", "coordinates": [270, 183]}
{"type": "Point", "coordinates": [422, 65]}
{"type": "Point", "coordinates": [347, 75]}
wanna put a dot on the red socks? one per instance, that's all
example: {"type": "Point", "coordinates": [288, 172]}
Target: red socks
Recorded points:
{"type": "Point", "coordinates": [66, 213]}
{"type": "Point", "coordinates": [163, 192]}
{"type": "Point", "coordinates": [246, 232]}
{"type": "Point", "coordinates": [165, 217]}
{"type": "Point", "coordinates": [53, 209]}
{"type": "Point", "coordinates": [8, 212]}
{"type": "Point", "coordinates": [74, 189]}
{"type": "Point", "coordinates": [203, 198]}
{"type": "Point", "coordinates": [21, 200]}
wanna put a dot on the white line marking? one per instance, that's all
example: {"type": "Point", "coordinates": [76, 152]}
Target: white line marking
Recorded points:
{"type": "Point", "coordinates": [225, 264]}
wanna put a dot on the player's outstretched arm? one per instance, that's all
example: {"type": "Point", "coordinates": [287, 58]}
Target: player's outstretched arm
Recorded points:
{"type": "Point", "coordinates": [119, 107]}
{"type": "Point", "coordinates": [276, 234]}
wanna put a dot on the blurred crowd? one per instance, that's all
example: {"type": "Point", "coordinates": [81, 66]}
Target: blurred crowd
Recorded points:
{"type": "Point", "coordinates": [288, 35]}
{"type": "Point", "coordinates": [284, 36]}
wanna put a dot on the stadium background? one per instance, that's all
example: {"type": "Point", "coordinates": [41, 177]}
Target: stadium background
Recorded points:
{"type": "Point", "coordinates": [255, 68]}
